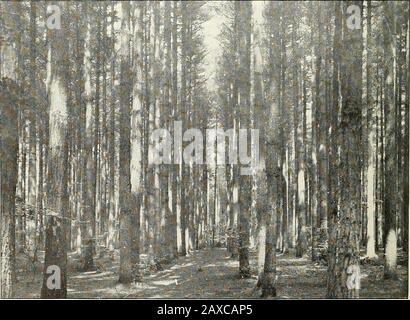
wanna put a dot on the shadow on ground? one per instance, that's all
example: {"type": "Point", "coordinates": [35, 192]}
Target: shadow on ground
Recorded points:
{"type": "Point", "coordinates": [209, 273]}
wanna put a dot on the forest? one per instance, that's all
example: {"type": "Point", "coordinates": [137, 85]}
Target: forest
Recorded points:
{"type": "Point", "coordinates": [117, 179]}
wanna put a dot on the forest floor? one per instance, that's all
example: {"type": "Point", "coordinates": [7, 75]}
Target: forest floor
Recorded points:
{"type": "Point", "coordinates": [207, 273]}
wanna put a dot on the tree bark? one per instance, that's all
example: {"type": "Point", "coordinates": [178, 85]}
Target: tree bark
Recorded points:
{"type": "Point", "coordinates": [344, 231]}
{"type": "Point", "coordinates": [89, 180]}
{"type": "Point", "coordinates": [371, 200]}
{"type": "Point", "coordinates": [9, 105]}
{"type": "Point", "coordinates": [57, 195]}
{"type": "Point", "coordinates": [245, 11]}
{"type": "Point", "coordinates": [390, 60]}
{"type": "Point", "coordinates": [128, 218]}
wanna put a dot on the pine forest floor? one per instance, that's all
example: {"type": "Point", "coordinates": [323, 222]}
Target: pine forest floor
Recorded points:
{"type": "Point", "coordinates": [207, 273]}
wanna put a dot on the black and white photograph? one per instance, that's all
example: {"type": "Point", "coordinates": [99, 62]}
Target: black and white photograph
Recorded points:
{"type": "Point", "coordinates": [195, 150]}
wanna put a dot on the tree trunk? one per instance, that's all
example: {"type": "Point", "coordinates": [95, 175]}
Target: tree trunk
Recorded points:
{"type": "Point", "coordinates": [9, 105]}
{"type": "Point", "coordinates": [300, 208]}
{"type": "Point", "coordinates": [183, 112]}
{"type": "Point", "coordinates": [245, 11]}
{"type": "Point", "coordinates": [390, 236]}
{"type": "Point", "coordinates": [371, 200]}
{"type": "Point", "coordinates": [111, 150]}
{"type": "Point", "coordinates": [175, 172]}
{"type": "Point", "coordinates": [406, 147]}
{"type": "Point", "coordinates": [344, 231]}
{"type": "Point", "coordinates": [89, 186]}
{"type": "Point", "coordinates": [129, 241]}
{"type": "Point", "coordinates": [321, 152]}
{"type": "Point", "coordinates": [55, 260]}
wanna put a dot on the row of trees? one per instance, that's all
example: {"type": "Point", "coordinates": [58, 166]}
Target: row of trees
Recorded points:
{"type": "Point", "coordinates": [329, 91]}
{"type": "Point", "coordinates": [96, 82]}
{"type": "Point", "coordinates": [85, 87]}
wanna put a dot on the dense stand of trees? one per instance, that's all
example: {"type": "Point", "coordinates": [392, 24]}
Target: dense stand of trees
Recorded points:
{"type": "Point", "coordinates": [336, 134]}
{"type": "Point", "coordinates": [82, 91]}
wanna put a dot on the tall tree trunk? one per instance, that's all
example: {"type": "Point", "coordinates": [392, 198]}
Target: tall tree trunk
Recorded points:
{"type": "Point", "coordinates": [245, 12]}
{"type": "Point", "coordinates": [55, 260]}
{"type": "Point", "coordinates": [157, 90]}
{"type": "Point", "coordinates": [268, 178]}
{"type": "Point", "coordinates": [283, 134]}
{"type": "Point", "coordinates": [406, 147]}
{"type": "Point", "coordinates": [166, 113]}
{"type": "Point", "coordinates": [390, 60]}
{"type": "Point", "coordinates": [183, 113]}
{"type": "Point", "coordinates": [321, 152]}
{"type": "Point", "coordinates": [333, 289]}
{"type": "Point", "coordinates": [371, 151]}
{"type": "Point", "coordinates": [344, 232]}
{"type": "Point", "coordinates": [33, 132]}
{"type": "Point", "coordinates": [89, 186]}
{"type": "Point", "coordinates": [175, 172]}
{"type": "Point", "coordinates": [313, 165]}
{"type": "Point", "coordinates": [137, 125]}
{"type": "Point", "coordinates": [9, 107]}
{"type": "Point", "coordinates": [300, 208]}
{"type": "Point", "coordinates": [96, 140]}
{"type": "Point", "coordinates": [129, 252]}
{"type": "Point", "coordinates": [111, 146]}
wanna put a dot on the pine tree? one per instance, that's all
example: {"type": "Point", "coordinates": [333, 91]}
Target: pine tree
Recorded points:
{"type": "Point", "coordinates": [55, 261]}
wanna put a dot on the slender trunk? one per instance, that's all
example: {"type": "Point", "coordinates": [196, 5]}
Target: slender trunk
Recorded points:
{"type": "Point", "coordinates": [89, 187]}
{"type": "Point", "coordinates": [55, 260]}
{"type": "Point", "coordinates": [175, 172]}
{"type": "Point", "coordinates": [406, 147]}
{"type": "Point", "coordinates": [111, 148]}
{"type": "Point", "coordinates": [371, 247]}
{"type": "Point", "coordinates": [129, 241]}
{"type": "Point", "coordinates": [267, 201]}
{"type": "Point", "coordinates": [183, 95]}
{"type": "Point", "coordinates": [244, 103]}
{"type": "Point", "coordinates": [313, 184]}
{"type": "Point", "coordinates": [390, 236]}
